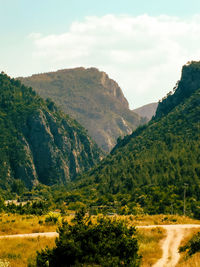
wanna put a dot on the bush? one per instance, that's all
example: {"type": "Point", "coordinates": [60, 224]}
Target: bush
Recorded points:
{"type": "Point", "coordinates": [76, 205]}
{"type": "Point", "coordinates": [192, 246]}
{"type": "Point", "coordinates": [53, 217]}
{"type": "Point", "coordinates": [106, 242]}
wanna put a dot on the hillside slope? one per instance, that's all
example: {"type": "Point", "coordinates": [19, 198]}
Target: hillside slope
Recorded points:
{"type": "Point", "coordinates": [38, 142]}
{"type": "Point", "coordinates": [147, 111]}
{"type": "Point", "coordinates": [157, 163]}
{"type": "Point", "coordinates": [189, 83]}
{"type": "Point", "coordinates": [92, 98]}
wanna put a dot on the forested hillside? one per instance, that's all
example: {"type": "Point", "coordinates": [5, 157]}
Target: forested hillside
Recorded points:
{"type": "Point", "coordinates": [189, 83]}
{"type": "Point", "coordinates": [92, 98]}
{"type": "Point", "coordinates": [38, 142]}
{"type": "Point", "coordinates": [158, 162]}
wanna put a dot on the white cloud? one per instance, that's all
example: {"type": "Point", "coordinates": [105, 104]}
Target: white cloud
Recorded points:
{"type": "Point", "coordinates": [143, 54]}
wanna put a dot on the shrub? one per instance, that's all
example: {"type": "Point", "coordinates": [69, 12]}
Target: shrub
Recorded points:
{"type": "Point", "coordinates": [76, 205]}
{"type": "Point", "coordinates": [192, 246]}
{"type": "Point", "coordinates": [106, 242]}
{"type": "Point", "coordinates": [53, 217]}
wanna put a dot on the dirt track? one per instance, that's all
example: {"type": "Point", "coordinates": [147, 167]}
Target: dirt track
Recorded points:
{"type": "Point", "coordinates": [171, 243]}
{"type": "Point", "coordinates": [33, 235]}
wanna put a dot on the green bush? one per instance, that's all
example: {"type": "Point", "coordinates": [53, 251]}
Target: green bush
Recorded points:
{"type": "Point", "coordinates": [106, 243]}
{"type": "Point", "coordinates": [53, 217]}
{"type": "Point", "coordinates": [192, 246]}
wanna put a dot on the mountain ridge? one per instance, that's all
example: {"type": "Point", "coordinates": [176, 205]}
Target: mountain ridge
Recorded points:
{"type": "Point", "coordinates": [38, 142]}
{"type": "Point", "coordinates": [189, 83]}
{"type": "Point", "coordinates": [92, 98]}
{"type": "Point", "coordinates": [155, 162]}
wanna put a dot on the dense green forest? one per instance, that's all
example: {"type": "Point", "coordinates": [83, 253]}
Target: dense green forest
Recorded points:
{"type": "Point", "coordinates": [151, 169]}
{"type": "Point", "coordinates": [38, 142]}
{"type": "Point", "coordinates": [188, 84]}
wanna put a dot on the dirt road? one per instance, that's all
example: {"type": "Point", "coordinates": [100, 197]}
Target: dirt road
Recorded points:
{"type": "Point", "coordinates": [33, 235]}
{"type": "Point", "coordinates": [171, 243]}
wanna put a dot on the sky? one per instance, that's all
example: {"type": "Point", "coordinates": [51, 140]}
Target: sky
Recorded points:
{"type": "Point", "coordinates": [142, 45]}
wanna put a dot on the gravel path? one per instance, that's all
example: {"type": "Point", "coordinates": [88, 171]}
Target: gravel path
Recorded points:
{"type": "Point", "coordinates": [171, 243]}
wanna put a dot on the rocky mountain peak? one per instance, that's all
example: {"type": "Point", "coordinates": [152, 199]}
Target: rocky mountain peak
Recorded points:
{"type": "Point", "coordinates": [92, 98]}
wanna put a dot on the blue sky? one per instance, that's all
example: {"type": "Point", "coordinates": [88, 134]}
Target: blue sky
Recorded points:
{"type": "Point", "coordinates": [131, 40]}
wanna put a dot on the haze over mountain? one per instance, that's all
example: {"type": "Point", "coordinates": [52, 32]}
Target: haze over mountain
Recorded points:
{"type": "Point", "coordinates": [92, 98]}
{"type": "Point", "coordinates": [38, 142]}
{"type": "Point", "coordinates": [152, 166]}
{"type": "Point", "coordinates": [147, 111]}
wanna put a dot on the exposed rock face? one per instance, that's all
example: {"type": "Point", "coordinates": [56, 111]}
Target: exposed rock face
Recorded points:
{"type": "Point", "coordinates": [92, 98]}
{"type": "Point", "coordinates": [38, 142]}
{"type": "Point", "coordinates": [58, 151]}
{"type": "Point", "coordinates": [147, 111]}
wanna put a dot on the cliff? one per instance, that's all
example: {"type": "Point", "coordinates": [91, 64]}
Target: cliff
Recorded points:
{"type": "Point", "coordinates": [92, 98]}
{"type": "Point", "coordinates": [38, 142]}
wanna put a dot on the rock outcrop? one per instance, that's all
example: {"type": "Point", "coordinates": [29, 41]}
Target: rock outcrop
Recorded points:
{"type": "Point", "coordinates": [92, 98]}
{"type": "Point", "coordinates": [38, 142]}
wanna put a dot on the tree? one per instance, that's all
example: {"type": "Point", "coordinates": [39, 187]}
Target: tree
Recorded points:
{"type": "Point", "coordinates": [106, 243]}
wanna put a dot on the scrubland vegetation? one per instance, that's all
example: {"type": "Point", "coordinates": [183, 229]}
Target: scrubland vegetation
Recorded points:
{"type": "Point", "coordinates": [190, 249]}
{"type": "Point", "coordinates": [22, 251]}
{"type": "Point", "coordinates": [149, 247]}
{"type": "Point", "coordinates": [17, 224]}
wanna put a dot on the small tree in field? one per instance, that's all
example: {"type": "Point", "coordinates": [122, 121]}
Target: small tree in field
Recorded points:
{"type": "Point", "coordinates": [106, 243]}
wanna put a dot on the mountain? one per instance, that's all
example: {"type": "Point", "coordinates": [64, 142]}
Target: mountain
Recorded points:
{"type": "Point", "coordinates": [92, 98]}
{"type": "Point", "coordinates": [158, 162]}
{"type": "Point", "coordinates": [147, 111]}
{"type": "Point", "coordinates": [189, 83]}
{"type": "Point", "coordinates": [38, 142]}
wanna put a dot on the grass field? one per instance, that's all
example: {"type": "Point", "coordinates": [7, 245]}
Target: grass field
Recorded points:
{"type": "Point", "coordinates": [22, 224]}
{"type": "Point", "coordinates": [17, 224]}
{"type": "Point", "coordinates": [21, 251]}
{"type": "Point", "coordinates": [141, 220]}
{"type": "Point", "coordinates": [148, 245]}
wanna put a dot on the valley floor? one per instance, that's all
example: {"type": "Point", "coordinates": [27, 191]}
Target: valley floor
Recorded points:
{"type": "Point", "coordinates": [158, 242]}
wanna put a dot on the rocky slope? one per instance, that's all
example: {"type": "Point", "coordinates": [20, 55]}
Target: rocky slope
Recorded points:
{"type": "Point", "coordinates": [147, 111]}
{"type": "Point", "coordinates": [38, 142]}
{"type": "Point", "coordinates": [92, 98]}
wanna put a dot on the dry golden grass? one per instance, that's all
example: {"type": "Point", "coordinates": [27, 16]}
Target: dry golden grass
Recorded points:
{"type": "Point", "coordinates": [159, 219]}
{"type": "Point", "coordinates": [11, 224]}
{"type": "Point", "coordinates": [148, 245]}
{"type": "Point", "coordinates": [18, 252]}
{"type": "Point", "coordinates": [22, 224]}
{"type": "Point", "coordinates": [194, 260]}
{"type": "Point", "coordinates": [142, 220]}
